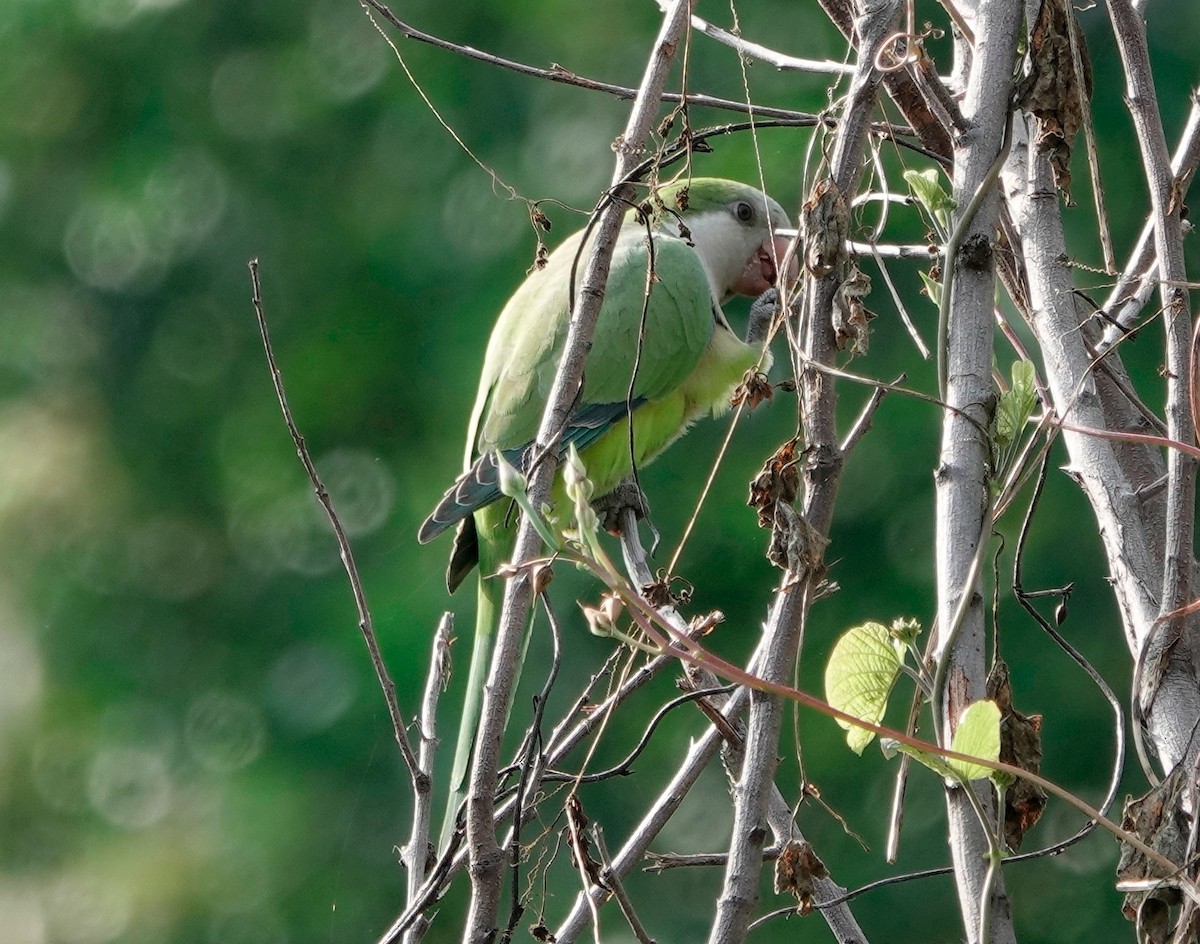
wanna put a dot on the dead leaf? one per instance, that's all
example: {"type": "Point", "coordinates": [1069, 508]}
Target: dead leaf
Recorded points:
{"type": "Point", "coordinates": [581, 854]}
{"type": "Point", "coordinates": [704, 624]}
{"type": "Point", "coordinates": [1021, 746]}
{"type": "Point", "coordinates": [778, 480]}
{"type": "Point", "coordinates": [824, 226]}
{"type": "Point", "coordinates": [850, 315]}
{"type": "Point", "coordinates": [796, 546]}
{"type": "Point", "coordinates": [1053, 91]}
{"type": "Point", "coordinates": [1158, 819]}
{"type": "Point", "coordinates": [667, 590]}
{"type": "Point", "coordinates": [797, 871]}
{"type": "Point", "coordinates": [753, 390]}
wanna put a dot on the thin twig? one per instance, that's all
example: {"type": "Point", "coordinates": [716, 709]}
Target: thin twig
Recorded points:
{"type": "Point", "coordinates": [1137, 280]}
{"type": "Point", "coordinates": [924, 251]}
{"type": "Point", "coordinates": [862, 422]}
{"type": "Point", "coordinates": [365, 625]}
{"type": "Point", "coordinates": [566, 77]}
{"type": "Point", "coordinates": [418, 851]}
{"type": "Point", "coordinates": [901, 308]}
{"type": "Point", "coordinates": [485, 854]}
{"type": "Point", "coordinates": [776, 655]}
{"type": "Point", "coordinates": [750, 50]}
{"type": "Point", "coordinates": [613, 881]}
{"type": "Point", "coordinates": [531, 770]}
{"type": "Point", "coordinates": [1077, 657]}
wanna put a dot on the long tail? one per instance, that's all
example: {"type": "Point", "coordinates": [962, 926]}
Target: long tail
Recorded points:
{"type": "Point", "coordinates": [487, 611]}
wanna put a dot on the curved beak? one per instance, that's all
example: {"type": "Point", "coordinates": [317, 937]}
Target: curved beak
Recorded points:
{"type": "Point", "coordinates": [762, 269]}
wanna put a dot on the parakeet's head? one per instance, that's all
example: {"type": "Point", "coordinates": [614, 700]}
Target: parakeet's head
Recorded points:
{"type": "Point", "coordinates": [733, 227]}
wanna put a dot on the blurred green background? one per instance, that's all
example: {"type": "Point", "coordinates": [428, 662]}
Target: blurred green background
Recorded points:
{"type": "Point", "coordinates": [192, 744]}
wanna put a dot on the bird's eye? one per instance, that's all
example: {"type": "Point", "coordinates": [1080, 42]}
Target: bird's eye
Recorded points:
{"type": "Point", "coordinates": [744, 211]}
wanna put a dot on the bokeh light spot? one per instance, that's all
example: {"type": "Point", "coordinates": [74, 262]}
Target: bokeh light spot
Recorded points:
{"type": "Point", "coordinates": [59, 769]}
{"type": "Point", "coordinates": [195, 340]}
{"type": "Point", "coordinates": [183, 200]}
{"type": "Point", "coordinates": [289, 533]}
{"type": "Point", "coordinates": [362, 488]}
{"type": "Point", "coordinates": [53, 475]}
{"type": "Point", "coordinates": [59, 99]}
{"type": "Point", "coordinates": [259, 926]}
{"type": "Point", "coordinates": [560, 153]}
{"type": "Point", "coordinates": [116, 14]}
{"type": "Point", "coordinates": [345, 53]}
{"type": "Point", "coordinates": [24, 919]}
{"type": "Point", "coordinates": [174, 558]}
{"type": "Point", "coordinates": [86, 909]}
{"type": "Point", "coordinates": [130, 786]}
{"type": "Point", "coordinates": [6, 186]}
{"type": "Point", "coordinates": [309, 687]}
{"type": "Point", "coordinates": [21, 669]}
{"type": "Point", "coordinates": [224, 731]}
{"type": "Point", "coordinates": [480, 222]}
{"type": "Point", "coordinates": [253, 97]}
{"type": "Point", "coordinates": [106, 243]}
{"type": "Point", "coordinates": [45, 328]}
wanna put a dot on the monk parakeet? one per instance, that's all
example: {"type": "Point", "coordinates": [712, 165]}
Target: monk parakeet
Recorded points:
{"type": "Point", "coordinates": [712, 239]}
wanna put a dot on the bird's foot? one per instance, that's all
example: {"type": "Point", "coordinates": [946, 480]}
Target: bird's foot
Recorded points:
{"type": "Point", "coordinates": [611, 508]}
{"type": "Point", "coordinates": [763, 313]}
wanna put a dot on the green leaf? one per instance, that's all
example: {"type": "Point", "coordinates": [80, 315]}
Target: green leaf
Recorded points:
{"type": "Point", "coordinates": [891, 747]}
{"type": "Point", "coordinates": [512, 482]}
{"type": "Point", "coordinates": [933, 288]}
{"type": "Point", "coordinates": [926, 188]}
{"type": "Point", "coordinates": [859, 676]}
{"type": "Point", "coordinates": [1016, 404]}
{"type": "Point", "coordinates": [512, 485]}
{"type": "Point", "coordinates": [978, 734]}
{"type": "Point", "coordinates": [579, 489]}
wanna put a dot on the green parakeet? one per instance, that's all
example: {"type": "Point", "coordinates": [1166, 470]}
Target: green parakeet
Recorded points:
{"type": "Point", "coordinates": [715, 238]}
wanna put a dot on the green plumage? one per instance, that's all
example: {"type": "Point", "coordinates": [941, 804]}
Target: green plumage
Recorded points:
{"type": "Point", "coordinates": [664, 360]}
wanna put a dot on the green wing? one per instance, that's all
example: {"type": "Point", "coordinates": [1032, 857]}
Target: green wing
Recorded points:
{"type": "Point", "coordinates": [528, 340]}
{"type": "Point", "coordinates": [654, 343]}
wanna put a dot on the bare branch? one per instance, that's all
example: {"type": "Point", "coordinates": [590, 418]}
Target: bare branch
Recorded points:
{"type": "Point", "coordinates": [1175, 642]}
{"type": "Point", "coordinates": [1138, 279]}
{"type": "Point", "coordinates": [419, 850]}
{"type": "Point", "coordinates": [961, 475]}
{"type": "Point", "coordinates": [365, 625]}
{"type": "Point", "coordinates": [700, 753]}
{"type": "Point", "coordinates": [777, 652]}
{"type": "Point", "coordinates": [564, 76]}
{"type": "Point", "coordinates": [485, 854]}
{"type": "Point", "coordinates": [750, 50]}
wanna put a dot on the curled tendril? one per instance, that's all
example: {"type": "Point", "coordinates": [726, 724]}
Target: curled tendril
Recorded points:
{"type": "Point", "coordinates": [894, 53]}
{"type": "Point", "coordinates": [903, 48]}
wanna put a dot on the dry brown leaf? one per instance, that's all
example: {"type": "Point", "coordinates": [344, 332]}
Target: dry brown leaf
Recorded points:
{"type": "Point", "coordinates": [778, 480]}
{"type": "Point", "coordinates": [753, 390]}
{"type": "Point", "coordinates": [1159, 821]}
{"type": "Point", "coordinates": [1021, 746]}
{"type": "Point", "coordinates": [581, 852]}
{"type": "Point", "coordinates": [850, 315]}
{"type": "Point", "coordinates": [824, 225]}
{"type": "Point", "coordinates": [796, 872]}
{"type": "Point", "coordinates": [1053, 92]}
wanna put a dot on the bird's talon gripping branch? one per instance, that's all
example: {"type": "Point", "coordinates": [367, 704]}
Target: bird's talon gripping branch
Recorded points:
{"type": "Point", "coordinates": [611, 507]}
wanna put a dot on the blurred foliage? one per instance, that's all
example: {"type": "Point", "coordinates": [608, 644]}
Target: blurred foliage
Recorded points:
{"type": "Point", "coordinates": [192, 745]}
